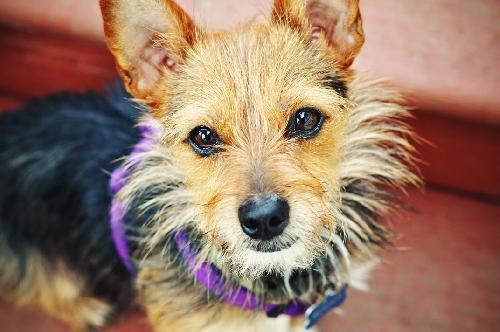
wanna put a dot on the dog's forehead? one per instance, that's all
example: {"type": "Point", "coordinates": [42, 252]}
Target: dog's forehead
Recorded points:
{"type": "Point", "coordinates": [261, 68]}
{"type": "Point", "coordinates": [254, 57]}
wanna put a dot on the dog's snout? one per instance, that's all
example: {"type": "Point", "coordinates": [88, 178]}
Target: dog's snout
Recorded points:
{"type": "Point", "coordinates": [264, 218]}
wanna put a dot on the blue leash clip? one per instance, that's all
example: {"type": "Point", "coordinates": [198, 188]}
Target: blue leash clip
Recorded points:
{"type": "Point", "coordinates": [332, 300]}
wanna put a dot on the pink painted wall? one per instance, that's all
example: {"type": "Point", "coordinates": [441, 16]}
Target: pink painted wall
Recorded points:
{"type": "Point", "coordinates": [445, 52]}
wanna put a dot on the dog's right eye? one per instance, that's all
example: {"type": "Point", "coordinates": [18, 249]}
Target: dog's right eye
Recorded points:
{"type": "Point", "coordinates": [305, 123]}
{"type": "Point", "coordinates": [204, 141]}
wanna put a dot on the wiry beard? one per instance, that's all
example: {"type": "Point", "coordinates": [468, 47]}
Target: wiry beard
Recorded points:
{"type": "Point", "coordinates": [377, 157]}
{"type": "Point", "coordinates": [283, 278]}
{"type": "Point", "coordinates": [300, 244]}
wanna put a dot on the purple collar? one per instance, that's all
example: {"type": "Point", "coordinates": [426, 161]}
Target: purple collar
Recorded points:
{"type": "Point", "coordinates": [149, 129]}
{"type": "Point", "coordinates": [207, 274]}
{"type": "Point", "coordinates": [211, 277]}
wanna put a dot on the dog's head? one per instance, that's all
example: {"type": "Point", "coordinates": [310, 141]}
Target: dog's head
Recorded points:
{"type": "Point", "coordinates": [254, 119]}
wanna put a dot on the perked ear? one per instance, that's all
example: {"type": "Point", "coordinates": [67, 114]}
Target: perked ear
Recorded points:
{"type": "Point", "coordinates": [148, 39]}
{"type": "Point", "coordinates": [339, 21]}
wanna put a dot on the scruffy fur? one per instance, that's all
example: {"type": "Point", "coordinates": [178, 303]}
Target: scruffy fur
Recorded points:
{"type": "Point", "coordinates": [245, 84]}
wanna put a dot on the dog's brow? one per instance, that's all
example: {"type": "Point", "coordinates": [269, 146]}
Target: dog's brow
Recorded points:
{"type": "Point", "coordinates": [336, 83]}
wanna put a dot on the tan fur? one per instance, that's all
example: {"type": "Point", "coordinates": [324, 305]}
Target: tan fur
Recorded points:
{"type": "Point", "coordinates": [339, 21]}
{"type": "Point", "coordinates": [52, 288]}
{"type": "Point", "coordinates": [224, 319]}
{"type": "Point", "coordinates": [133, 30]}
{"type": "Point", "coordinates": [171, 310]}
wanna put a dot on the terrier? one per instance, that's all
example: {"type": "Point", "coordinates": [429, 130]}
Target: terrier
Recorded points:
{"type": "Point", "coordinates": [242, 185]}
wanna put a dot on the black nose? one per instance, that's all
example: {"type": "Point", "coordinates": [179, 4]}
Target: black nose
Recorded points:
{"type": "Point", "coordinates": [264, 218]}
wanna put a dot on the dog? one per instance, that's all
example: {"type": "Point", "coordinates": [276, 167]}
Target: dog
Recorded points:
{"type": "Point", "coordinates": [238, 187]}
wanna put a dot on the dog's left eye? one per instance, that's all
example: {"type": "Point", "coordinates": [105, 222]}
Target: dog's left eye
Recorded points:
{"type": "Point", "coordinates": [305, 123]}
{"type": "Point", "coordinates": [204, 141]}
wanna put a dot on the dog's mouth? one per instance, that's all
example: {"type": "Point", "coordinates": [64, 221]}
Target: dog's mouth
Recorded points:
{"type": "Point", "coordinates": [271, 246]}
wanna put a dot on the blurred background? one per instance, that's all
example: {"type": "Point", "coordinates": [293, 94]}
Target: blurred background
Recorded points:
{"type": "Point", "coordinates": [444, 273]}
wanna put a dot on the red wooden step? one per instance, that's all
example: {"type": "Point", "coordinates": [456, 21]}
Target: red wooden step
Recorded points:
{"type": "Point", "coordinates": [37, 63]}
{"type": "Point", "coordinates": [462, 155]}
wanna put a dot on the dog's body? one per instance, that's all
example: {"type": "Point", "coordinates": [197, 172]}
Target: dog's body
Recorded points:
{"type": "Point", "coordinates": [56, 155]}
{"type": "Point", "coordinates": [268, 153]}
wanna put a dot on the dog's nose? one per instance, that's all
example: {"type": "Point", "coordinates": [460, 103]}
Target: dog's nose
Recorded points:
{"type": "Point", "coordinates": [264, 218]}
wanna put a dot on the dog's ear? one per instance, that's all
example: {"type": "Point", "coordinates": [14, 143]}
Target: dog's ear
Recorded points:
{"type": "Point", "coordinates": [148, 38]}
{"type": "Point", "coordinates": [339, 21]}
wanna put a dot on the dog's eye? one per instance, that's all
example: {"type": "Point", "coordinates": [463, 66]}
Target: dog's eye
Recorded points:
{"type": "Point", "coordinates": [204, 141]}
{"type": "Point", "coordinates": [305, 123]}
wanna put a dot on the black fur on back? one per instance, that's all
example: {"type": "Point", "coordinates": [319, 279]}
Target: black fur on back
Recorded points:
{"type": "Point", "coordinates": [56, 155]}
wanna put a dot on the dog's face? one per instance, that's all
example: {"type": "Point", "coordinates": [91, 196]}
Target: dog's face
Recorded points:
{"type": "Point", "coordinates": [257, 128]}
{"type": "Point", "coordinates": [254, 119]}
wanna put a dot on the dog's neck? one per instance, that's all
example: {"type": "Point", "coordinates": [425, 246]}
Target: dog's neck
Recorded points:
{"type": "Point", "coordinates": [211, 277]}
